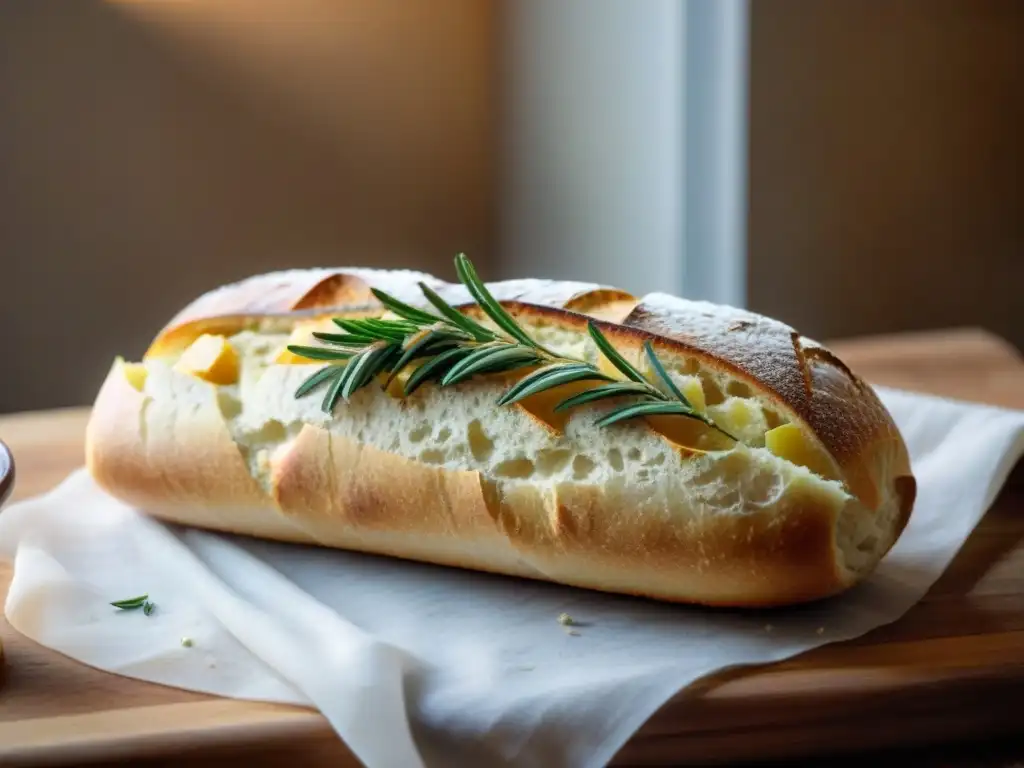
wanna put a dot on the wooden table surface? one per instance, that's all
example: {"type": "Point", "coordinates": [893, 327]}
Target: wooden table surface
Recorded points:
{"type": "Point", "coordinates": [966, 638]}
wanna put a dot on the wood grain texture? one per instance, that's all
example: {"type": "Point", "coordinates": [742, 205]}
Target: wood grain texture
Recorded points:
{"type": "Point", "coordinates": [952, 669]}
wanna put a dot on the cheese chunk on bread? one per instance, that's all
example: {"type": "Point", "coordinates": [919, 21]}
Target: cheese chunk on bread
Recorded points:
{"type": "Point", "coordinates": [810, 489]}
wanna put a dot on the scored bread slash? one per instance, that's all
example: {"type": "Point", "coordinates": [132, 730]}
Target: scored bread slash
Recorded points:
{"type": "Point", "coordinates": [562, 431]}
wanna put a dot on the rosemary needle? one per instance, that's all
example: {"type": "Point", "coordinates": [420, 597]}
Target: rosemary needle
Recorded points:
{"type": "Point", "coordinates": [134, 603]}
{"type": "Point", "coordinates": [131, 603]}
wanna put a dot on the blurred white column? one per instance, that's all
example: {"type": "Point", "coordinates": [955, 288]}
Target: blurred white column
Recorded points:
{"type": "Point", "coordinates": [624, 144]}
{"type": "Point", "coordinates": [715, 209]}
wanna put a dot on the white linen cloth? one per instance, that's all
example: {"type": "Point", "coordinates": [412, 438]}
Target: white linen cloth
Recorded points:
{"type": "Point", "coordinates": [420, 665]}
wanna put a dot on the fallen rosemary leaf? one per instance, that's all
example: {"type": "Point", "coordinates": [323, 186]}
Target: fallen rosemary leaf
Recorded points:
{"type": "Point", "coordinates": [131, 603]}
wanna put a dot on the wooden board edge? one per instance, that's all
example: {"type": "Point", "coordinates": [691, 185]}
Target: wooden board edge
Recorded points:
{"type": "Point", "coordinates": [929, 719]}
{"type": "Point", "coordinates": [878, 667]}
{"type": "Point", "coordinates": [702, 725]}
{"type": "Point", "coordinates": [743, 718]}
{"type": "Point", "coordinates": [150, 731]}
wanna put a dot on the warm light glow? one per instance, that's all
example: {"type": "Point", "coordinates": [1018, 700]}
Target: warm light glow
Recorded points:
{"type": "Point", "coordinates": [300, 56]}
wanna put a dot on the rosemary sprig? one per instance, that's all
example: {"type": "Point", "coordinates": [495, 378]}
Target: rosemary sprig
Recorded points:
{"type": "Point", "coordinates": [131, 603]}
{"type": "Point", "coordinates": [450, 347]}
{"type": "Point", "coordinates": [134, 603]}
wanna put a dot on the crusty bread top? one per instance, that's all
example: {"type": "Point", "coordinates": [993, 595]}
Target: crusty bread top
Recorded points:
{"type": "Point", "coordinates": [586, 298]}
{"type": "Point", "coordinates": [802, 378]}
{"type": "Point", "coordinates": [300, 289]}
{"type": "Point", "coordinates": [312, 291]}
{"type": "Point", "coordinates": [815, 385]}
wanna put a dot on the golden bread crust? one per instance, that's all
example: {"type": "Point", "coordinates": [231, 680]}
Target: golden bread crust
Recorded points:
{"type": "Point", "coordinates": [586, 298]}
{"type": "Point", "coordinates": [232, 307]}
{"type": "Point", "coordinates": [135, 448]}
{"type": "Point", "coordinates": [842, 411]}
{"type": "Point", "coordinates": [172, 454]}
{"type": "Point", "coordinates": [347, 494]}
{"type": "Point", "coordinates": [298, 289]}
{"type": "Point", "coordinates": [319, 292]}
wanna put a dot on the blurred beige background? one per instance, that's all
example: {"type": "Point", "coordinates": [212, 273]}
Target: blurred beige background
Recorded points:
{"type": "Point", "coordinates": [886, 165]}
{"type": "Point", "coordinates": [152, 150]}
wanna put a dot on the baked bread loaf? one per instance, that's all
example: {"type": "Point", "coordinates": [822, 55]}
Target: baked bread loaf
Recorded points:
{"type": "Point", "coordinates": [773, 476]}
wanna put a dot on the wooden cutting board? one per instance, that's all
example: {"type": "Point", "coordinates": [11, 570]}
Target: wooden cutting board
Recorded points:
{"type": "Point", "coordinates": [952, 668]}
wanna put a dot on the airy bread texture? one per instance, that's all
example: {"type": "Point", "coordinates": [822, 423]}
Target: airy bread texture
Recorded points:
{"type": "Point", "coordinates": [815, 491]}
